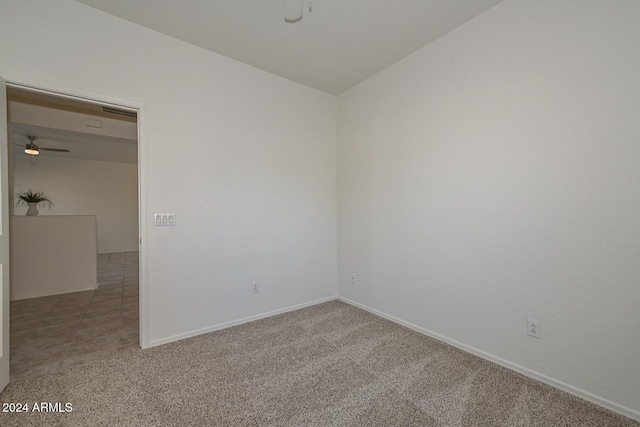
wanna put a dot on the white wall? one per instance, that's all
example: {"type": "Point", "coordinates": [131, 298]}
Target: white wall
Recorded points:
{"type": "Point", "coordinates": [246, 160]}
{"type": "Point", "coordinates": [494, 176]}
{"type": "Point", "coordinates": [107, 190]}
{"type": "Point", "coordinates": [53, 255]}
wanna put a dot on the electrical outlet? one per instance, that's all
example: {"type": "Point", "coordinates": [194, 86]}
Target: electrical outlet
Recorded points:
{"type": "Point", "coordinates": [533, 328]}
{"type": "Point", "coordinates": [354, 279]}
{"type": "Point", "coordinates": [255, 288]}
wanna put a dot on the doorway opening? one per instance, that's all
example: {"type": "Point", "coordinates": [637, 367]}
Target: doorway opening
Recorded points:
{"type": "Point", "coordinates": [71, 304]}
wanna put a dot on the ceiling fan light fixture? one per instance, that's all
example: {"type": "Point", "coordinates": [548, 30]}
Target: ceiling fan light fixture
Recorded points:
{"type": "Point", "coordinates": [293, 11]}
{"type": "Point", "coordinates": [32, 148]}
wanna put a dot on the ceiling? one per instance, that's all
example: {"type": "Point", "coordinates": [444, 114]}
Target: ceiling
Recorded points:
{"type": "Point", "coordinates": [61, 123]}
{"type": "Point", "coordinates": [336, 45]}
{"type": "Point", "coordinates": [80, 145]}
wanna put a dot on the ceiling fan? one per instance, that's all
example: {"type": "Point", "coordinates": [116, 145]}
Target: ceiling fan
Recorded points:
{"type": "Point", "coordinates": [34, 150]}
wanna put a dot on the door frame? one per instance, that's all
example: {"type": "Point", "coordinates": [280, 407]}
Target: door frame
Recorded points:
{"type": "Point", "coordinates": [143, 180]}
{"type": "Point", "coordinates": [5, 258]}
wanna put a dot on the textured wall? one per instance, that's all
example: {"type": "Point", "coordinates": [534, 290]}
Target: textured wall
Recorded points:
{"type": "Point", "coordinates": [107, 190]}
{"type": "Point", "coordinates": [245, 159]}
{"type": "Point", "coordinates": [491, 177]}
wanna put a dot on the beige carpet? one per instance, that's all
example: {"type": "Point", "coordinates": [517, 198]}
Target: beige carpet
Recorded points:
{"type": "Point", "coordinates": [326, 365]}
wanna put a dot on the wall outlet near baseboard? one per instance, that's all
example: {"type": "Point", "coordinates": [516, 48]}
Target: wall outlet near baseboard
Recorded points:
{"type": "Point", "coordinates": [533, 328]}
{"type": "Point", "coordinates": [354, 278]}
{"type": "Point", "coordinates": [255, 288]}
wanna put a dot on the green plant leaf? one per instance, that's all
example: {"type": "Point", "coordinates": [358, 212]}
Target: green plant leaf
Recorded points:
{"type": "Point", "coordinates": [30, 196]}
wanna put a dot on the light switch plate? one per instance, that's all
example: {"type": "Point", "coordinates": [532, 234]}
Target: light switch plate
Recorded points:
{"type": "Point", "coordinates": [164, 219]}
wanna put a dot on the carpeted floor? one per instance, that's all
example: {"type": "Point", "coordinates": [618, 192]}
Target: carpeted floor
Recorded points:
{"type": "Point", "coordinates": [327, 365]}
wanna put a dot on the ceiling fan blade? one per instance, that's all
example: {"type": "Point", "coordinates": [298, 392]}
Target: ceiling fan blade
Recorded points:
{"type": "Point", "coordinates": [61, 150]}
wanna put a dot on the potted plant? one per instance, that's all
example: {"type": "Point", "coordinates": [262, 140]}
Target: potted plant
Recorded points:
{"type": "Point", "coordinates": [33, 199]}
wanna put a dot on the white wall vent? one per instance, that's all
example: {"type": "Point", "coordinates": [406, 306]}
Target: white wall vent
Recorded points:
{"type": "Point", "coordinates": [119, 112]}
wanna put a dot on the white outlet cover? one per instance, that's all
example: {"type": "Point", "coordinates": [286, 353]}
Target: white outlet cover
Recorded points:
{"type": "Point", "coordinates": [533, 328]}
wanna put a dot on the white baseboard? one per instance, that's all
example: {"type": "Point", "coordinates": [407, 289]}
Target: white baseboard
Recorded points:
{"type": "Point", "coordinates": [502, 362]}
{"type": "Point", "coordinates": [225, 325]}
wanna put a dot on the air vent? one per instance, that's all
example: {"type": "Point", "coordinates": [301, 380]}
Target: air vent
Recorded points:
{"type": "Point", "coordinates": [119, 112]}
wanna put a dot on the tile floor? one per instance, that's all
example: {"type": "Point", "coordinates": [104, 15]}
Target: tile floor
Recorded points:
{"type": "Point", "coordinates": [53, 332]}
